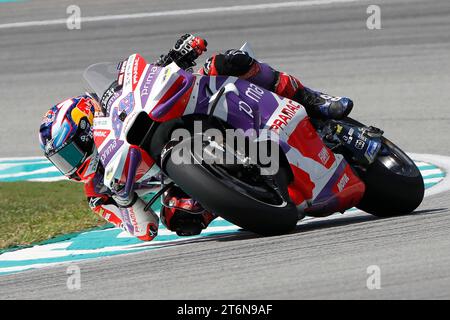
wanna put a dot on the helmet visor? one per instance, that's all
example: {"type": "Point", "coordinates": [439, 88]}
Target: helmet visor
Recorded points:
{"type": "Point", "coordinates": [68, 158]}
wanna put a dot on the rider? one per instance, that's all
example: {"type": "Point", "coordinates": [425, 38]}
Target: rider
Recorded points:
{"type": "Point", "coordinates": [67, 139]}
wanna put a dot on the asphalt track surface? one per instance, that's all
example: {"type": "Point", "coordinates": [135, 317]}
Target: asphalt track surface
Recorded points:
{"type": "Point", "coordinates": [398, 76]}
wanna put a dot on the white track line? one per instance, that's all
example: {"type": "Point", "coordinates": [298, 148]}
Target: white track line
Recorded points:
{"type": "Point", "coordinates": [28, 159]}
{"type": "Point", "coordinates": [237, 9]}
{"type": "Point", "coordinates": [430, 172]}
{"type": "Point", "coordinates": [48, 250]}
{"type": "Point", "coordinates": [22, 174]}
{"type": "Point", "coordinates": [442, 162]}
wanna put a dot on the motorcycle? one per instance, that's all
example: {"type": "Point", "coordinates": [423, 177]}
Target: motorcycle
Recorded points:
{"type": "Point", "coordinates": [322, 166]}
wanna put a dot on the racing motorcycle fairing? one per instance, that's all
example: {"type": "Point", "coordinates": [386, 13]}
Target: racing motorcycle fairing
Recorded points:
{"type": "Point", "coordinates": [323, 182]}
{"type": "Point", "coordinates": [164, 92]}
{"type": "Point", "coordinates": [126, 166]}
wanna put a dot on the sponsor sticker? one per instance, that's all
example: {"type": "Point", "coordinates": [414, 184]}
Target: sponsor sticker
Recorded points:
{"type": "Point", "coordinates": [343, 182]}
{"type": "Point", "coordinates": [100, 136]}
{"type": "Point", "coordinates": [324, 156]}
{"type": "Point", "coordinates": [121, 67]}
{"type": "Point", "coordinates": [109, 150]}
{"type": "Point", "coordinates": [359, 144]}
{"type": "Point", "coordinates": [107, 96]}
{"type": "Point", "coordinates": [138, 68]}
{"type": "Point", "coordinates": [49, 117]}
{"type": "Point", "coordinates": [284, 116]}
{"type": "Point", "coordinates": [129, 72]}
{"type": "Point", "coordinates": [101, 121]}
{"type": "Point", "coordinates": [372, 149]}
{"type": "Point", "coordinates": [148, 83]}
{"type": "Point", "coordinates": [254, 92]}
{"type": "Point", "coordinates": [167, 73]}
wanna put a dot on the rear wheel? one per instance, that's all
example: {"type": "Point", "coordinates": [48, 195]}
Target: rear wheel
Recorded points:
{"type": "Point", "coordinates": [394, 184]}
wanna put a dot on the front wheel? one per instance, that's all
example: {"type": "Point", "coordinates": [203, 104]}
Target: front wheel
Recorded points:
{"type": "Point", "coordinates": [252, 202]}
{"type": "Point", "coordinates": [394, 184]}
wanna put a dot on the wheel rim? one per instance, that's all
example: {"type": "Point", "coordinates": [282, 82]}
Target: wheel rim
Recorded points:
{"type": "Point", "coordinates": [396, 160]}
{"type": "Point", "coordinates": [245, 179]}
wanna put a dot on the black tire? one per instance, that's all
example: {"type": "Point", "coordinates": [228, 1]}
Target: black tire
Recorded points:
{"type": "Point", "coordinates": [394, 184]}
{"type": "Point", "coordinates": [232, 203]}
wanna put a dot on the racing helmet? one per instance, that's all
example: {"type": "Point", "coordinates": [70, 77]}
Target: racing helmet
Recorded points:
{"type": "Point", "coordinates": [66, 136]}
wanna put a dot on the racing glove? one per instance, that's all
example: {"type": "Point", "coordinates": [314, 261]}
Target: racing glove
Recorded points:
{"type": "Point", "coordinates": [186, 50]}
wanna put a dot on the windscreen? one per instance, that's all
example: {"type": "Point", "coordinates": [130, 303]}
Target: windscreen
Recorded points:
{"type": "Point", "coordinates": [100, 76]}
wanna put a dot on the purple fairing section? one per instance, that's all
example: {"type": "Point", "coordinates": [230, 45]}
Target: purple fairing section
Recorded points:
{"type": "Point", "coordinates": [265, 78]}
{"type": "Point", "coordinates": [109, 150]}
{"type": "Point", "coordinates": [220, 80]}
{"type": "Point", "coordinates": [147, 85]}
{"type": "Point", "coordinates": [98, 179]}
{"type": "Point", "coordinates": [238, 118]}
{"type": "Point", "coordinates": [326, 201]}
{"type": "Point", "coordinates": [203, 95]}
{"type": "Point", "coordinates": [260, 99]}
{"type": "Point", "coordinates": [251, 109]}
{"type": "Point", "coordinates": [134, 161]}
{"type": "Point", "coordinates": [188, 80]}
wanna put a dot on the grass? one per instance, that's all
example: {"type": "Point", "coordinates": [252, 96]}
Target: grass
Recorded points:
{"type": "Point", "coordinates": [35, 211]}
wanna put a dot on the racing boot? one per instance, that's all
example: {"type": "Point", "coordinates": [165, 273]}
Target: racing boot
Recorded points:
{"type": "Point", "coordinates": [324, 106]}
{"type": "Point", "coordinates": [317, 104]}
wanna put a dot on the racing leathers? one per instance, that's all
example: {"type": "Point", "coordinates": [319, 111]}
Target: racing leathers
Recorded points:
{"type": "Point", "coordinates": [180, 213]}
{"type": "Point", "coordinates": [128, 214]}
{"type": "Point", "coordinates": [240, 64]}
